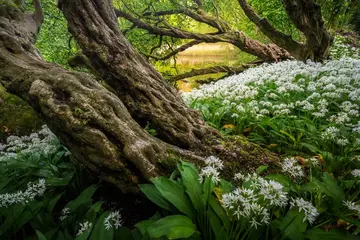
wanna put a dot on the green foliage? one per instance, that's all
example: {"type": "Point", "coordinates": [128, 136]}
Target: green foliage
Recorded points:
{"type": "Point", "coordinates": [214, 219]}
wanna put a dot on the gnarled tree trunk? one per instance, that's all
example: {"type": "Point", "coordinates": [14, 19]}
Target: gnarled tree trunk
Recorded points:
{"type": "Point", "coordinates": [101, 129]}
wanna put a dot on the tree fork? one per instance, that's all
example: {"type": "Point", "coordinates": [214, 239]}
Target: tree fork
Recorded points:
{"type": "Point", "coordinates": [92, 122]}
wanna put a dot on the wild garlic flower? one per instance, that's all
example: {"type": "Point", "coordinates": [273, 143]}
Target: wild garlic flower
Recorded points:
{"type": "Point", "coordinates": [342, 141]}
{"type": "Point", "coordinates": [114, 218]}
{"type": "Point", "coordinates": [32, 191]}
{"type": "Point", "coordinates": [43, 142]}
{"type": "Point", "coordinates": [313, 161]}
{"type": "Point", "coordinates": [84, 227]}
{"type": "Point", "coordinates": [214, 162]}
{"type": "Point", "coordinates": [311, 213]}
{"type": "Point", "coordinates": [211, 170]}
{"type": "Point", "coordinates": [353, 207]}
{"type": "Point", "coordinates": [356, 173]}
{"type": "Point", "coordinates": [291, 166]}
{"type": "Point", "coordinates": [273, 192]}
{"type": "Point", "coordinates": [330, 133]}
{"type": "Point", "coordinates": [64, 213]}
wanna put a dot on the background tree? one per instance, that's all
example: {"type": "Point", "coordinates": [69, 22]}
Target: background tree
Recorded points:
{"type": "Point", "coordinates": [305, 16]}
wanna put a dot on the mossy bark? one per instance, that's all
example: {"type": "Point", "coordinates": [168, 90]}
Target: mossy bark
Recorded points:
{"type": "Point", "coordinates": [16, 116]}
{"type": "Point", "coordinates": [102, 131]}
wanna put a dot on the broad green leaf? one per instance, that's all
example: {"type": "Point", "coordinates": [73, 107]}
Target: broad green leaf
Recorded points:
{"type": "Point", "coordinates": [175, 194]}
{"type": "Point", "coordinates": [208, 188]}
{"type": "Point", "coordinates": [173, 227]}
{"type": "Point", "coordinates": [40, 235]}
{"type": "Point", "coordinates": [190, 178]}
{"type": "Point", "coordinates": [13, 214]}
{"type": "Point", "coordinates": [144, 225]}
{"type": "Point", "coordinates": [123, 233]}
{"type": "Point", "coordinates": [220, 212]}
{"type": "Point", "coordinates": [292, 225]}
{"type": "Point", "coordinates": [84, 198]}
{"type": "Point", "coordinates": [262, 169]}
{"type": "Point", "coordinates": [154, 195]}
{"type": "Point", "coordinates": [53, 202]}
{"type": "Point", "coordinates": [334, 234]}
{"type": "Point", "coordinates": [93, 211]}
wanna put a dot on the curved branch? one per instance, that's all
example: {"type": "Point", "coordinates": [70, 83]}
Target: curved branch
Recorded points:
{"type": "Point", "coordinates": [306, 16]}
{"type": "Point", "coordinates": [212, 70]}
{"type": "Point", "coordinates": [174, 52]}
{"type": "Point", "coordinates": [279, 38]}
{"type": "Point", "coordinates": [268, 52]}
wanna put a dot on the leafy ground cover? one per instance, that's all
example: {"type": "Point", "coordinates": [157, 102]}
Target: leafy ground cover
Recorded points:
{"type": "Point", "coordinates": [307, 112]}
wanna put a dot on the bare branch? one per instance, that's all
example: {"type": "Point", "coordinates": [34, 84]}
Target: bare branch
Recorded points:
{"type": "Point", "coordinates": [174, 52]}
{"type": "Point", "coordinates": [38, 14]}
{"type": "Point", "coordinates": [279, 38]}
{"type": "Point", "coordinates": [211, 70]}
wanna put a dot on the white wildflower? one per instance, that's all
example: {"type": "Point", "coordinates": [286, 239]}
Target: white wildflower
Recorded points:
{"type": "Point", "coordinates": [356, 173]}
{"type": "Point", "coordinates": [353, 207]}
{"type": "Point", "coordinates": [84, 227]}
{"type": "Point", "coordinates": [311, 213]}
{"type": "Point", "coordinates": [273, 191]}
{"type": "Point", "coordinates": [114, 218]}
{"type": "Point", "coordinates": [210, 172]}
{"type": "Point", "coordinates": [32, 191]}
{"type": "Point", "coordinates": [64, 213]}
{"type": "Point", "coordinates": [290, 166]}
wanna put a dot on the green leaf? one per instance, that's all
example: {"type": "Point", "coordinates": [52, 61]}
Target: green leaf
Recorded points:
{"type": "Point", "coordinates": [99, 231]}
{"type": "Point", "coordinates": [123, 233]}
{"type": "Point", "coordinates": [208, 188]}
{"type": "Point", "coordinates": [334, 234]}
{"type": "Point", "coordinates": [175, 194]}
{"type": "Point", "coordinates": [173, 227]}
{"type": "Point", "coordinates": [190, 178]}
{"type": "Point", "coordinates": [40, 235]}
{"type": "Point", "coordinates": [262, 169]}
{"type": "Point", "coordinates": [292, 224]}
{"type": "Point", "coordinates": [144, 225]}
{"type": "Point", "coordinates": [84, 198]}
{"type": "Point", "coordinates": [53, 202]}
{"type": "Point", "coordinates": [220, 212]}
{"type": "Point", "coordinates": [154, 195]}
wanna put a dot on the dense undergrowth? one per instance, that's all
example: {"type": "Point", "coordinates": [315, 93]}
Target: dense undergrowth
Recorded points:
{"type": "Point", "coordinates": [307, 112]}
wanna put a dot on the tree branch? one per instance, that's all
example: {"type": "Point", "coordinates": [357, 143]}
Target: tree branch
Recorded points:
{"type": "Point", "coordinates": [212, 70]}
{"type": "Point", "coordinates": [279, 38]}
{"type": "Point", "coordinates": [38, 14]}
{"type": "Point", "coordinates": [174, 52]}
{"type": "Point", "coordinates": [268, 52]}
{"type": "Point", "coordinates": [306, 16]}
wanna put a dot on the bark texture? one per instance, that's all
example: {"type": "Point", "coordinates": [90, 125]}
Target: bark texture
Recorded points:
{"type": "Point", "coordinates": [94, 123]}
{"type": "Point", "coordinates": [306, 16]}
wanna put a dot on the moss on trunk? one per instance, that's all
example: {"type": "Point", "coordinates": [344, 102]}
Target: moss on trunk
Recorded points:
{"type": "Point", "coordinates": [16, 117]}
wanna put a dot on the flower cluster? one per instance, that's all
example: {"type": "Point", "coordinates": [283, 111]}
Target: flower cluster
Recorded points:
{"type": "Point", "coordinates": [212, 168]}
{"type": "Point", "coordinates": [311, 213]}
{"type": "Point", "coordinates": [43, 142]}
{"type": "Point", "coordinates": [255, 202]}
{"type": "Point", "coordinates": [64, 213]}
{"type": "Point", "coordinates": [114, 218]}
{"type": "Point", "coordinates": [291, 167]}
{"type": "Point", "coordinates": [341, 48]}
{"type": "Point", "coordinates": [325, 94]}
{"type": "Point", "coordinates": [84, 227]}
{"type": "Point", "coordinates": [33, 190]}
{"type": "Point", "coordinates": [353, 207]}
